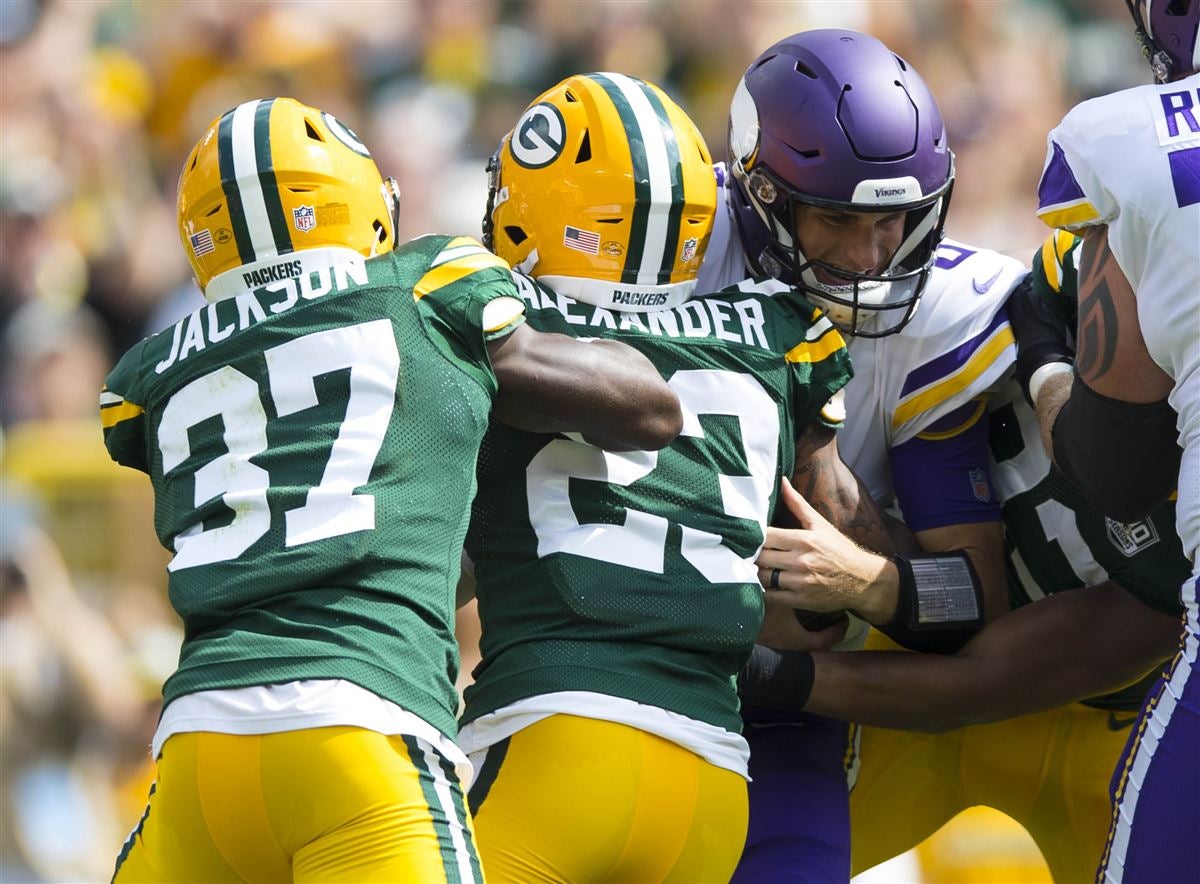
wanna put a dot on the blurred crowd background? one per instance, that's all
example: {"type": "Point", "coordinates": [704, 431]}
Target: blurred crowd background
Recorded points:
{"type": "Point", "coordinates": [100, 100]}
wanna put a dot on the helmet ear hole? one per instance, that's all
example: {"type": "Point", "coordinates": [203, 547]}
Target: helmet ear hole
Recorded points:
{"type": "Point", "coordinates": [516, 234]}
{"type": "Point", "coordinates": [380, 230]}
{"type": "Point", "coordinates": [312, 132]}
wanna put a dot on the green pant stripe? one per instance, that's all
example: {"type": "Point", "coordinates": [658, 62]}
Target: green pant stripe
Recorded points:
{"type": "Point", "coordinates": [641, 180]}
{"type": "Point", "coordinates": [132, 839]}
{"type": "Point", "coordinates": [266, 177]}
{"type": "Point", "coordinates": [229, 185]}
{"type": "Point", "coordinates": [437, 812]}
{"type": "Point", "coordinates": [493, 760]}
{"type": "Point", "coordinates": [460, 807]}
{"type": "Point", "coordinates": [671, 250]}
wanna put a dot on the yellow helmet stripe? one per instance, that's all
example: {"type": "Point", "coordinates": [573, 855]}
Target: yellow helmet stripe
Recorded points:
{"type": "Point", "coordinates": [244, 156]}
{"type": "Point", "coordinates": [656, 187]}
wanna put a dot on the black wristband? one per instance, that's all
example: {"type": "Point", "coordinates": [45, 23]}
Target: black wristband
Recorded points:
{"type": "Point", "coordinates": [775, 685]}
{"type": "Point", "coordinates": [939, 605]}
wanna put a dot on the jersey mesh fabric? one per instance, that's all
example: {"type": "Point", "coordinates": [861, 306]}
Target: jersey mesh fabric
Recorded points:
{"type": "Point", "coordinates": [634, 617]}
{"type": "Point", "coordinates": [370, 605]}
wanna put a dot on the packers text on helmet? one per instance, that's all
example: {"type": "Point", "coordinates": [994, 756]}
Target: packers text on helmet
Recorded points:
{"type": "Point", "coordinates": [274, 178]}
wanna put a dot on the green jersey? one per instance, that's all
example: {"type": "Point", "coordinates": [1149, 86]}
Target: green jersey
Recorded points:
{"type": "Point", "coordinates": [312, 446]}
{"type": "Point", "coordinates": [1056, 539]}
{"type": "Point", "coordinates": [632, 574]}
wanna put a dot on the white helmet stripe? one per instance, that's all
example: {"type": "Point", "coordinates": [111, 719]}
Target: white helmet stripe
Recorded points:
{"type": "Point", "coordinates": [657, 160]}
{"type": "Point", "coordinates": [245, 169]}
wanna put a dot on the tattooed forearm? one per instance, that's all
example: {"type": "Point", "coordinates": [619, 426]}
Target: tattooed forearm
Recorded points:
{"type": "Point", "coordinates": [835, 492]}
{"type": "Point", "coordinates": [1097, 309]}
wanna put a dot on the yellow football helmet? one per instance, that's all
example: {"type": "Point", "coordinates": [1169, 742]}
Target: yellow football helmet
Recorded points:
{"type": "Point", "coordinates": [604, 190]}
{"type": "Point", "coordinates": [275, 177]}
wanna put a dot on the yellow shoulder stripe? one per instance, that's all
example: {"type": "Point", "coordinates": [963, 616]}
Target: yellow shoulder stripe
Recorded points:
{"type": "Point", "coordinates": [113, 415]}
{"type": "Point", "coordinates": [815, 351]}
{"type": "Point", "coordinates": [453, 271]}
{"type": "Point", "coordinates": [980, 408]}
{"type": "Point", "coordinates": [1068, 215]}
{"type": "Point", "coordinates": [1054, 251]}
{"type": "Point", "coordinates": [957, 382]}
{"type": "Point", "coordinates": [1063, 240]}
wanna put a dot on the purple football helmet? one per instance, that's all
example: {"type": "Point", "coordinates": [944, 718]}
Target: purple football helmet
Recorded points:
{"type": "Point", "coordinates": [834, 119]}
{"type": "Point", "coordinates": [1169, 31]}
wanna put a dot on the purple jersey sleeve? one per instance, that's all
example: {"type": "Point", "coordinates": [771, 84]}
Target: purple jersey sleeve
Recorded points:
{"type": "Point", "coordinates": [942, 477]}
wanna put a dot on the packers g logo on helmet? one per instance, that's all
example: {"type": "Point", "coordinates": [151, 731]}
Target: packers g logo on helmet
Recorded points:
{"type": "Point", "coordinates": [274, 177]}
{"type": "Point", "coordinates": [605, 191]}
{"type": "Point", "coordinates": [539, 136]}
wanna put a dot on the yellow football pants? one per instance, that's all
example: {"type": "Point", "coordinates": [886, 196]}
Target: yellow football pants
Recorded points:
{"type": "Point", "coordinates": [583, 800]}
{"type": "Point", "coordinates": [1049, 772]}
{"type": "Point", "coordinates": [325, 804]}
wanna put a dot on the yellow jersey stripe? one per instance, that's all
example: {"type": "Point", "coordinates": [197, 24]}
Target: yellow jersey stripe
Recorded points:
{"type": "Point", "coordinates": [1051, 266]}
{"type": "Point", "coordinates": [980, 408]}
{"type": "Point", "coordinates": [957, 382]}
{"type": "Point", "coordinates": [1069, 215]}
{"type": "Point", "coordinates": [113, 415]}
{"type": "Point", "coordinates": [440, 277]}
{"type": "Point", "coordinates": [1063, 240]}
{"type": "Point", "coordinates": [815, 351]}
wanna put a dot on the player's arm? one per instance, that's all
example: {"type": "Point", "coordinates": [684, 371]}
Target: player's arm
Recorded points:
{"type": "Point", "coordinates": [1066, 647]}
{"type": "Point", "coordinates": [938, 585]}
{"type": "Point", "coordinates": [822, 478]}
{"type": "Point", "coordinates": [924, 602]}
{"type": "Point", "coordinates": [1113, 432]}
{"type": "Point", "coordinates": [609, 392]}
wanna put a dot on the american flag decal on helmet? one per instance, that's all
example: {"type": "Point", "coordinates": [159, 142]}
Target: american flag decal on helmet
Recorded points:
{"type": "Point", "coordinates": [581, 240]}
{"type": "Point", "coordinates": [202, 243]}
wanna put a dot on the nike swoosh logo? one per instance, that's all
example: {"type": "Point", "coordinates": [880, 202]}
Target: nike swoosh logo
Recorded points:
{"type": "Point", "coordinates": [982, 287]}
{"type": "Point", "coordinates": [1119, 724]}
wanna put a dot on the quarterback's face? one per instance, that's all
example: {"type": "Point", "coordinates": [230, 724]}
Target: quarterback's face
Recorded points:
{"type": "Point", "coordinates": [860, 242]}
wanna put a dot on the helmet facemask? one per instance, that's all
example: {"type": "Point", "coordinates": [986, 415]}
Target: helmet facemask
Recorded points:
{"type": "Point", "coordinates": [834, 120]}
{"type": "Point", "coordinates": [868, 305]}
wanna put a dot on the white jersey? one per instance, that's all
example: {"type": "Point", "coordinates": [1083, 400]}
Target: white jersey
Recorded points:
{"type": "Point", "coordinates": [957, 346]}
{"type": "Point", "coordinates": [1131, 160]}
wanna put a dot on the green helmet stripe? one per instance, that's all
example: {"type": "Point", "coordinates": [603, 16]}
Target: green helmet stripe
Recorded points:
{"type": "Point", "coordinates": [267, 180]}
{"type": "Point", "coordinates": [641, 178]}
{"type": "Point", "coordinates": [233, 195]}
{"type": "Point", "coordinates": [675, 215]}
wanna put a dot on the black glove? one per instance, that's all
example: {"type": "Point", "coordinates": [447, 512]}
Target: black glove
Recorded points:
{"type": "Point", "coordinates": [1044, 328]}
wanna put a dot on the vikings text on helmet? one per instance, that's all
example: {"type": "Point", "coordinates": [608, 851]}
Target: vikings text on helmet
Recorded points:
{"type": "Point", "coordinates": [834, 119]}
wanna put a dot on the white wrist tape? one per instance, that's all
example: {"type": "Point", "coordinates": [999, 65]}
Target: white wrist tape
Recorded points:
{"type": "Point", "coordinates": [1043, 374]}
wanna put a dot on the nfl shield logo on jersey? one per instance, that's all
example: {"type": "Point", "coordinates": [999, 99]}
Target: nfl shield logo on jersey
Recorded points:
{"type": "Point", "coordinates": [305, 218]}
{"type": "Point", "coordinates": [980, 486]}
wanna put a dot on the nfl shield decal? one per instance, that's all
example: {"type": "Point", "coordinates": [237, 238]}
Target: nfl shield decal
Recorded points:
{"type": "Point", "coordinates": [980, 486]}
{"type": "Point", "coordinates": [689, 249]}
{"type": "Point", "coordinates": [305, 218]}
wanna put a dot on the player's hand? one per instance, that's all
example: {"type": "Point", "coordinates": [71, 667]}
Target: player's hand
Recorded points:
{"type": "Point", "coordinates": [815, 567]}
{"type": "Point", "coordinates": [1043, 329]}
{"type": "Point", "coordinates": [781, 629]}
